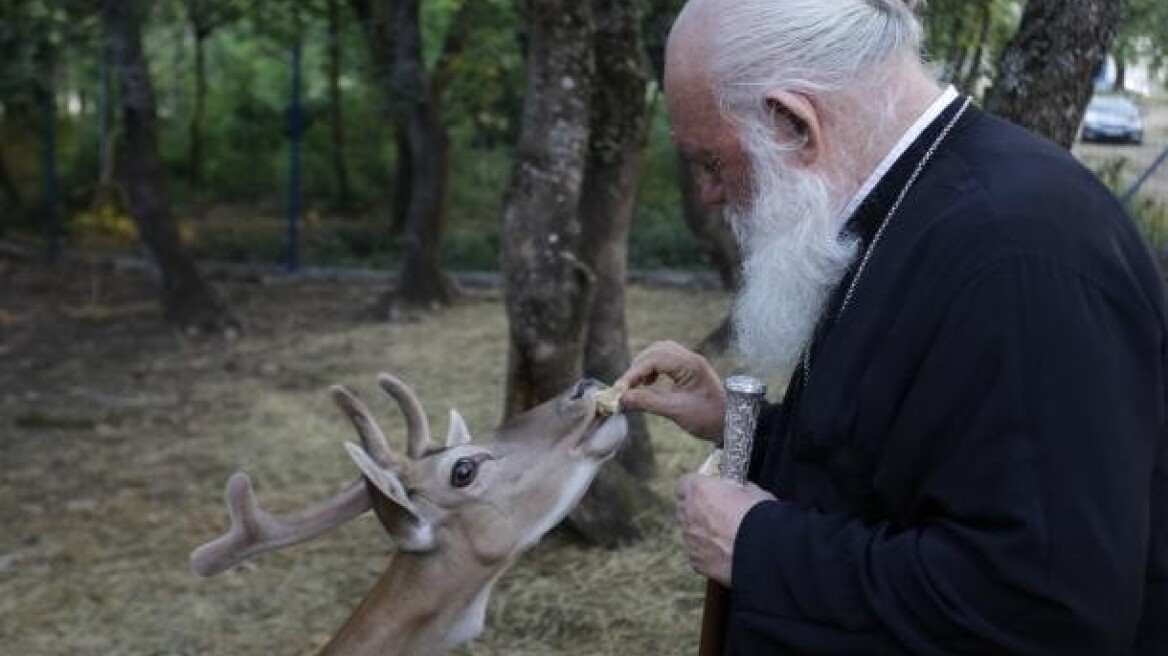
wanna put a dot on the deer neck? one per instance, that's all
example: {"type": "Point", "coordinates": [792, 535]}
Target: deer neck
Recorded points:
{"type": "Point", "coordinates": [424, 603]}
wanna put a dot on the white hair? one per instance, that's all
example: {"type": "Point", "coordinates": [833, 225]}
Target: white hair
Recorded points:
{"type": "Point", "coordinates": [847, 54]}
{"type": "Point", "coordinates": [809, 46]}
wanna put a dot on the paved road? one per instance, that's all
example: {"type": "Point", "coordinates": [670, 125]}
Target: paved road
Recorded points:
{"type": "Point", "coordinates": [1138, 158]}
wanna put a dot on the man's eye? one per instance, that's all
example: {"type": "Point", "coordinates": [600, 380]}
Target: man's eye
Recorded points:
{"type": "Point", "coordinates": [464, 471]}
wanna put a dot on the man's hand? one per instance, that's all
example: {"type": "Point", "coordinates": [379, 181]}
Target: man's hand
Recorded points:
{"type": "Point", "coordinates": [710, 510]}
{"type": "Point", "coordinates": [696, 401]}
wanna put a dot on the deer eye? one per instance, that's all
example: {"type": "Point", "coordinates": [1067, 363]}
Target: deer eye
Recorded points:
{"type": "Point", "coordinates": [463, 473]}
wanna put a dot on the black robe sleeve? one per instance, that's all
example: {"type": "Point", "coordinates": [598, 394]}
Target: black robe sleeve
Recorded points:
{"type": "Point", "coordinates": [1038, 414]}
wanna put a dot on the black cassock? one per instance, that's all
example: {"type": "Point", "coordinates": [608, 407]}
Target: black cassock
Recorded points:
{"type": "Point", "coordinates": [975, 462]}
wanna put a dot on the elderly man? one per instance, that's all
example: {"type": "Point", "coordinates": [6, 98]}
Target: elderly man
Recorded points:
{"type": "Point", "coordinates": [970, 453]}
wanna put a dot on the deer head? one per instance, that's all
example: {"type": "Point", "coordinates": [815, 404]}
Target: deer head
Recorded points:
{"type": "Point", "coordinates": [459, 514]}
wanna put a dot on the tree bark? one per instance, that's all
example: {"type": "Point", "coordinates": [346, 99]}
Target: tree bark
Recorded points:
{"type": "Point", "coordinates": [379, 38]}
{"type": "Point", "coordinates": [403, 181]}
{"type": "Point", "coordinates": [16, 204]}
{"type": "Point", "coordinates": [421, 281]}
{"type": "Point", "coordinates": [396, 40]}
{"type": "Point", "coordinates": [616, 159]}
{"type": "Point", "coordinates": [1047, 70]}
{"type": "Point", "coordinates": [547, 286]}
{"type": "Point", "coordinates": [204, 17]}
{"type": "Point", "coordinates": [186, 298]}
{"type": "Point", "coordinates": [336, 112]}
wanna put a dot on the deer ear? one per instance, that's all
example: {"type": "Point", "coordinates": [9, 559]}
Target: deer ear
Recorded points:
{"type": "Point", "coordinates": [458, 434]}
{"type": "Point", "coordinates": [408, 528]}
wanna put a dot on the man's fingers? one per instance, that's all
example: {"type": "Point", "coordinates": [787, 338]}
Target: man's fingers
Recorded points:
{"type": "Point", "coordinates": [663, 358]}
{"type": "Point", "coordinates": [661, 403]}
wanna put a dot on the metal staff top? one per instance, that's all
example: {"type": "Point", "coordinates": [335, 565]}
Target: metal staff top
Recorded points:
{"type": "Point", "coordinates": [744, 398]}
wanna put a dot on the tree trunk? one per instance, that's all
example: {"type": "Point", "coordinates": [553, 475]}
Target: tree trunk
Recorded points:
{"type": "Point", "coordinates": [616, 159]}
{"type": "Point", "coordinates": [1047, 70]}
{"type": "Point", "coordinates": [423, 151]}
{"type": "Point", "coordinates": [375, 22]}
{"type": "Point", "coordinates": [1120, 70]}
{"type": "Point", "coordinates": [403, 181]}
{"type": "Point", "coordinates": [199, 111]}
{"type": "Point", "coordinates": [9, 189]}
{"type": "Point", "coordinates": [547, 286]}
{"type": "Point", "coordinates": [186, 298]}
{"type": "Point", "coordinates": [421, 281]}
{"type": "Point", "coordinates": [336, 114]}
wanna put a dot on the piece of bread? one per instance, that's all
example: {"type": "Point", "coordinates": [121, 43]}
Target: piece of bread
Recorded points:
{"type": "Point", "coordinates": [608, 401]}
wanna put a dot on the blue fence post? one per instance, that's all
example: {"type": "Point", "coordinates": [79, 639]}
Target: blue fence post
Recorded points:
{"type": "Point", "coordinates": [296, 133]}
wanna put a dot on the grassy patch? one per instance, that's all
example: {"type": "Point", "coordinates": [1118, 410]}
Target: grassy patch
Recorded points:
{"type": "Point", "coordinates": [99, 521]}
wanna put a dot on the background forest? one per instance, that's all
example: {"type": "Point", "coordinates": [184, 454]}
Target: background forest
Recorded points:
{"type": "Point", "coordinates": [224, 72]}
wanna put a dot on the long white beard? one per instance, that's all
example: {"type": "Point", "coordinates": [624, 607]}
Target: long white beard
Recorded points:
{"type": "Point", "coordinates": [794, 256]}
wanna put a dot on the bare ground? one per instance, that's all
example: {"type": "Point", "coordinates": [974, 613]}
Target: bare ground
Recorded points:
{"type": "Point", "coordinates": [117, 434]}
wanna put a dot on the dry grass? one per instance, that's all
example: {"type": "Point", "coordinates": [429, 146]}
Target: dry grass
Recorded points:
{"type": "Point", "coordinates": [116, 437]}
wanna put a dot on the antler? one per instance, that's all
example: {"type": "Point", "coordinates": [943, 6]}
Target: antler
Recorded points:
{"type": "Point", "coordinates": [417, 427]}
{"type": "Point", "coordinates": [254, 531]}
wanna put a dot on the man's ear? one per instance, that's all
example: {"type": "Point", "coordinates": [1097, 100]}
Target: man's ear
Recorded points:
{"type": "Point", "coordinates": [797, 121]}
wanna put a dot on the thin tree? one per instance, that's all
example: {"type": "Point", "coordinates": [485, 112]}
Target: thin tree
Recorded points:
{"type": "Point", "coordinates": [1047, 71]}
{"type": "Point", "coordinates": [187, 299]}
{"type": "Point", "coordinates": [204, 17]}
{"type": "Point", "coordinates": [414, 100]}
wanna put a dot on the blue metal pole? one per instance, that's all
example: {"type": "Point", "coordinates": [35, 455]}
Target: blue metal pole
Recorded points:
{"type": "Point", "coordinates": [296, 130]}
{"type": "Point", "coordinates": [1130, 194]}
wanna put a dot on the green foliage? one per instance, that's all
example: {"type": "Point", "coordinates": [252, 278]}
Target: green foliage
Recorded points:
{"type": "Point", "coordinates": [485, 95]}
{"type": "Point", "coordinates": [474, 49]}
{"type": "Point", "coordinates": [956, 31]}
{"type": "Point", "coordinates": [1144, 27]}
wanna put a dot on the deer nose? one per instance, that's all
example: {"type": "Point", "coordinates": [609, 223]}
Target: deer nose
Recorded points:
{"type": "Point", "coordinates": [583, 386]}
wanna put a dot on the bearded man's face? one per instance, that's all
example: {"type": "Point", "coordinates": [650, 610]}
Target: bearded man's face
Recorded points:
{"type": "Point", "coordinates": [794, 256]}
{"type": "Point", "coordinates": [784, 212]}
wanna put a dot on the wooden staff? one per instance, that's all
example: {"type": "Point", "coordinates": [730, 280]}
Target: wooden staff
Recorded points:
{"type": "Point", "coordinates": [744, 397]}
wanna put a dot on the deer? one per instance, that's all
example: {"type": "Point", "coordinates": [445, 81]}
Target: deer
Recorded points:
{"type": "Point", "coordinates": [459, 515]}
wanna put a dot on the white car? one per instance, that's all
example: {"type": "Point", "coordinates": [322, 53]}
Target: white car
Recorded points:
{"type": "Point", "coordinates": [1113, 118]}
